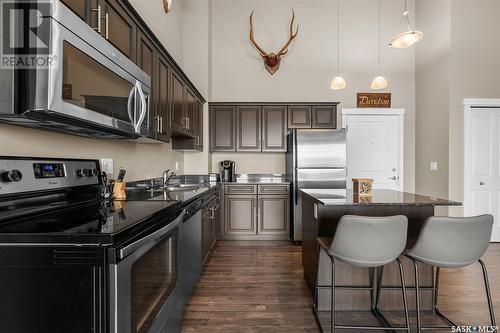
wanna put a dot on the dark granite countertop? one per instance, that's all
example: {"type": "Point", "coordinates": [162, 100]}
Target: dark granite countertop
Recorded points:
{"type": "Point", "coordinates": [184, 196]}
{"type": "Point", "coordinates": [261, 181]}
{"type": "Point", "coordinates": [339, 197]}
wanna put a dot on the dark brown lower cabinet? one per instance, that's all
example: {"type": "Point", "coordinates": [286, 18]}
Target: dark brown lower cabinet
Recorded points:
{"type": "Point", "coordinates": [273, 215]}
{"type": "Point", "coordinates": [240, 214]}
{"type": "Point", "coordinates": [257, 216]}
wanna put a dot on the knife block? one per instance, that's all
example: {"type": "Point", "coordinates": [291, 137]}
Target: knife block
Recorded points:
{"type": "Point", "coordinates": [119, 191]}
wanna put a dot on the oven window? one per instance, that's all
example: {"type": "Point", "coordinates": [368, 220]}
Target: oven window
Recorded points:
{"type": "Point", "coordinates": [90, 85]}
{"type": "Point", "coordinates": [153, 277]}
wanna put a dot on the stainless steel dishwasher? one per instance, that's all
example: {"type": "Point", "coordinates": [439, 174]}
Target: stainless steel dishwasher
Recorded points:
{"type": "Point", "coordinates": [190, 243]}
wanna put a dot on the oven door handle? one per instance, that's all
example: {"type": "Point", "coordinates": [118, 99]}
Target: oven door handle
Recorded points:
{"type": "Point", "coordinates": [154, 237]}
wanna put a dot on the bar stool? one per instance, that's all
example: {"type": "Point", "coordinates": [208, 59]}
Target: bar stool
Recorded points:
{"type": "Point", "coordinates": [451, 242]}
{"type": "Point", "coordinates": [369, 242]}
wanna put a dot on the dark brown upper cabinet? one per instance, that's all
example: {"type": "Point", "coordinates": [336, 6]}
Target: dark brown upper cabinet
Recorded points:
{"type": "Point", "coordinates": [222, 128]}
{"type": "Point", "coordinates": [199, 121]}
{"type": "Point", "coordinates": [274, 128]}
{"type": "Point", "coordinates": [85, 9]}
{"type": "Point", "coordinates": [162, 94]}
{"type": "Point", "coordinates": [118, 28]}
{"type": "Point", "coordinates": [177, 119]}
{"type": "Point", "coordinates": [299, 116]}
{"type": "Point", "coordinates": [248, 128]}
{"type": "Point", "coordinates": [146, 54]}
{"type": "Point", "coordinates": [190, 113]}
{"type": "Point", "coordinates": [324, 116]}
{"type": "Point", "coordinates": [176, 104]}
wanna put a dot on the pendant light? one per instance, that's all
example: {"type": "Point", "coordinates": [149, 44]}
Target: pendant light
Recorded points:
{"type": "Point", "coordinates": [407, 37]}
{"type": "Point", "coordinates": [167, 4]}
{"type": "Point", "coordinates": [379, 82]}
{"type": "Point", "coordinates": [338, 81]}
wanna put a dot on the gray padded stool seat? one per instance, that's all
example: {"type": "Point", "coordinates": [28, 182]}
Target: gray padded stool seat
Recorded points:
{"type": "Point", "coordinates": [364, 241]}
{"type": "Point", "coordinates": [451, 242]}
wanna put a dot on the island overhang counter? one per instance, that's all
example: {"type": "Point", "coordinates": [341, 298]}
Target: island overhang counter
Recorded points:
{"type": "Point", "coordinates": [321, 211]}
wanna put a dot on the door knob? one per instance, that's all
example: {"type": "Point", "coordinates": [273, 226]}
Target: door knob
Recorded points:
{"type": "Point", "coordinates": [481, 183]}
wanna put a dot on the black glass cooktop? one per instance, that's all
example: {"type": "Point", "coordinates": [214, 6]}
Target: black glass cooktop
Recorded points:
{"type": "Point", "coordinates": [96, 222]}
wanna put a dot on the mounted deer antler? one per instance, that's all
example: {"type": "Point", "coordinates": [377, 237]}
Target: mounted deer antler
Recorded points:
{"type": "Point", "coordinates": [272, 60]}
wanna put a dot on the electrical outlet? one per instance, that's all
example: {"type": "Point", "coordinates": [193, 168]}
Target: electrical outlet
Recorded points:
{"type": "Point", "coordinates": [107, 165]}
{"type": "Point", "coordinates": [176, 165]}
{"type": "Point", "coordinates": [434, 166]}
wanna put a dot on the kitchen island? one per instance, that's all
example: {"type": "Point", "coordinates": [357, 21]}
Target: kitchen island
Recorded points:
{"type": "Point", "coordinates": [321, 211]}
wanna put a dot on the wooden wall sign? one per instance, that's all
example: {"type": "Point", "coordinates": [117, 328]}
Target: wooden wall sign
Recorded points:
{"type": "Point", "coordinates": [374, 100]}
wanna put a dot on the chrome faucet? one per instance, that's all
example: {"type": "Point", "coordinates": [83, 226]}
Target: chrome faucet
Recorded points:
{"type": "Point", "coordinates": [167, 175]}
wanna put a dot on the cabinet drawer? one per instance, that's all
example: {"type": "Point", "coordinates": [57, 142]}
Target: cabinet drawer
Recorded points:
{"type": "Point", "coordinates": [240, 189]}
{"type": "Point", "coordinates": [273, 189]}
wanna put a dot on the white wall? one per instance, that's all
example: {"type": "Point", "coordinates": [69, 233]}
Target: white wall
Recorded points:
{"type": "Point", "coordinates": [166, 27]}
{"type": "Point", "coordinates": [238, 73]}
{"type": "Point", "coordinates": [432, 96]}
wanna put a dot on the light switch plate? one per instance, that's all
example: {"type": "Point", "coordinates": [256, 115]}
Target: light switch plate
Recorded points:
{"type": "Point", "coordinates": [434, 166]}
{"type": "Point", "coordinates": [107, 165]}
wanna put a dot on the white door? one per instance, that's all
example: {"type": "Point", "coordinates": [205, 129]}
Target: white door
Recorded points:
{"type": "Point", "coordinates": [482, 168]}
{"type": "Point", "coordinates": [375, 146]}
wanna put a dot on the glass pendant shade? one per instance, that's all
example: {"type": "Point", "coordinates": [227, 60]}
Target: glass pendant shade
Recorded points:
{"type": "Point", "coordinates": [407, 36]}
{"type": "Point", "coordinates": [406, 39]}
{"type": "Point", "coordinates": [338, 83]}
{"type": "Point", "coordinates": [379, 83]}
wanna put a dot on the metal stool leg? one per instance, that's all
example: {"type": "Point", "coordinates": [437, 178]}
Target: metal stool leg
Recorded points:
{"type": "Point", "coordinates": [436, 299]}
{"type": "Point", "coordinates": [403, 290]}
{"type": "Point", "coordinates": [488, 293]}
{"type": "Point", "coordinates": [316, 288]}
{"type": "Point", "coordinates": [332, 300]}
{"type": "Point", "coordinates": [417, 296]}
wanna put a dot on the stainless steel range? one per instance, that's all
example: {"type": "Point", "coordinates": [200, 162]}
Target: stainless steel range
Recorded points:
{"type": "Point", "coordinates": [72, 262]}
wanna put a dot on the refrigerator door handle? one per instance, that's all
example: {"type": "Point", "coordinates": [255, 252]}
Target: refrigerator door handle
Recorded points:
{"type": "Point", "coordinates": [296, 186]}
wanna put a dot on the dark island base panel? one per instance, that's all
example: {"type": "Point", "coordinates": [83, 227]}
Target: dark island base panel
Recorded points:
{"type": "Point", "coordinates": [349, 275]}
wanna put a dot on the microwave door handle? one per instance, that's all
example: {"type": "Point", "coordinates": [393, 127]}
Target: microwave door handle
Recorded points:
{"type": "Point", "coordinates": [138, 123]}
{"type": "Point", "coordinates": [130, 105]}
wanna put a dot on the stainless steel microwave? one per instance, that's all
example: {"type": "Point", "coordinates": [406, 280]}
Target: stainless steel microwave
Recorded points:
{"type": "Point", "coordinates": [86, 87]}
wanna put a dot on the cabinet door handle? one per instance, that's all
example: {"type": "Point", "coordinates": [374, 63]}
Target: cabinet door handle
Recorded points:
{"type": "Point", "coordinates": [107, 25]}
{"type": "Point", "coordinates": [161, 124]}
{"type": "Point", "coordinates": [99, 18]}
{"type": "Point", "coordinates": [158, 126]}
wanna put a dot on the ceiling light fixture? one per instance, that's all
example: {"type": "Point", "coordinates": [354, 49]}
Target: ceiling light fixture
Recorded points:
{"type": "Point", "coordinates": [338, 81]}
{"type": "Point", "coordinates": [379, 82]}
{"type": "Point", "coordinates": [407, 37]}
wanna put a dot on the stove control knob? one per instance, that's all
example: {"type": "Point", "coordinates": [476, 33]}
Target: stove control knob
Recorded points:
{"type": "Point", "coordinates": [90, 172]}
{"type": "Point", "coordinates": [82, 173]}
{"type": "Point", "coordinates": [12, 176]}
{"type": "Point", "coordinates": [94, 172]}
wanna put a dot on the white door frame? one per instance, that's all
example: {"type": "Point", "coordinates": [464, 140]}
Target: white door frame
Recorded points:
{"type": "Point", "coordinates": [389, 112]}
{"type": "Point", "coordinates": [474, 106]}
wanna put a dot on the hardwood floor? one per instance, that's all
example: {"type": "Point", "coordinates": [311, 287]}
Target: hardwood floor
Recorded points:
{"type": "Point", "coordinates": [258, 286]}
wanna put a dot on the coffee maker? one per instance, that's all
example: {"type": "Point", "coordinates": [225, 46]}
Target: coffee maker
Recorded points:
{"type": "Point", "coordinates": [227, 171]}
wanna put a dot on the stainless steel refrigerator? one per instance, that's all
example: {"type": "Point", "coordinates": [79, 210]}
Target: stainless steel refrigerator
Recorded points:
{"type": "Point", "coordinates": [316, 159]}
